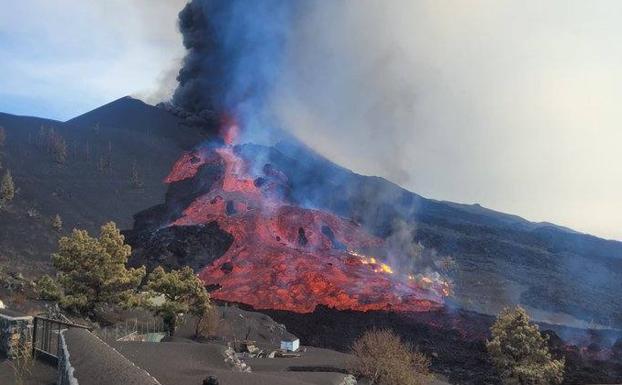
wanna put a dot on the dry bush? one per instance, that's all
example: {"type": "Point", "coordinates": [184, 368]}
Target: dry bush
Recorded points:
{"type": "Point", "coordinates": [382, 357]}
{"type": "Point", "coordinates": [22, 362]}
{"type": "Point", "coordinates": [208, 323]}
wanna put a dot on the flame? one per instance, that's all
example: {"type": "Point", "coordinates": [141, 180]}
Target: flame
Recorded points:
{"type": "Point", "coordinates": [229, 131]}
{"type": "Point", "coordinates": [436, 282]}
{"type": "Point", "coordinates": [378, 267]}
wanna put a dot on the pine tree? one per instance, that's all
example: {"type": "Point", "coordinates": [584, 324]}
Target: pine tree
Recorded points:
{"type": "Point", "coordinates": [42, 137]}
{"type": "Point", "coordinates": [2, 136]}
{"type": "Point", "coordinates": [101, 164]}
{"type": "Point", "coordinates": [87, 151]}
{"type": "Point", "coordinates": [520, 353]}
{"type": "Point", "coordinates": [58, 148]}
{"type": "Point", "coordinates": [7, 188]}
{"type": "Point", "coordinates": [57, 223]}
{"type": "Point", "coordinates": [135, 179]}
{"type": "Point", "coordinates": [93, 271]}
{"type": "Point", "coordinates": [183, 292]}
{"type": "Point", "coordinates": [109, 157]}
{"type": "Point", "coordinates": [47, 288]}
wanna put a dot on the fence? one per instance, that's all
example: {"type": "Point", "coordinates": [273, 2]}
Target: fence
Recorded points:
{"type": "Point", "coordinates": [46, 337]}
{"type": "Point", "coordinates": [133, 329]}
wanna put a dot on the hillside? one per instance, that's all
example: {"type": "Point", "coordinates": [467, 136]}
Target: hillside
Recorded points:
{"type": "Point", "coordinates": [500, 258]}
{"type": "Point", "coordinates": [563, 276]}
{"type": "Point", "coordinates": [104, 148]}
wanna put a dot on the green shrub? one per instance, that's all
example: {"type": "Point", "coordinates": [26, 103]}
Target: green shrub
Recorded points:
{"type": "Point", "coordinates": [94, 271]}
{"type": "Point", "coordinates": [48, 289]}
{"type": "Point", "coordinates": [520, 353]}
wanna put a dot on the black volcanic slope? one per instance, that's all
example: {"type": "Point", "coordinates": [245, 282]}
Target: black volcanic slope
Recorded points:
{"type": "Point", "coordinates": [561, 275]}
{"type": "Point", "coordinates": [93, 185]}
{"type": "Point", "coordinates": [501, 258]}
{"type": "Point", "coordinates": [453, 339]}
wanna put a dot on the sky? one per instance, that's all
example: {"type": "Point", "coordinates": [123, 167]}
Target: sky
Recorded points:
{"type": "Point", "coordinates": [65, 57]}
{"type": "Point", "coordinates": [510, 104]}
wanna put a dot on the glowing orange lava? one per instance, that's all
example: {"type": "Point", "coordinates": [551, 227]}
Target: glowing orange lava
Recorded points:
{"type": "Point", "coordinates": [285, 256]}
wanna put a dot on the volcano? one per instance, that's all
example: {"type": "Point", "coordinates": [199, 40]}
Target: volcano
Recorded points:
{"type": "Point", "coordinates": [565, 277]}
{"type": "Point", "coordinates": [263, 192]}
{"type": "Point", "coordinates": [284, 256]}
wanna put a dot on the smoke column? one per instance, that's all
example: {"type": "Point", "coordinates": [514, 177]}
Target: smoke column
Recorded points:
{"type": "Point", "coordinates": [324, 71]}
{"type": "Point", "coordinates": [235, 51]}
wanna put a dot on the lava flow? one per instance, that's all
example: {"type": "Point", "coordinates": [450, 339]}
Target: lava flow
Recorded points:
{"type": "Point", "coordinates": [287, 257]}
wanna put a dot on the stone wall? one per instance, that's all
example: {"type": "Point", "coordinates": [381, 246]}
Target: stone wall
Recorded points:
{"type": "Point", "coordinates": [15, 332]}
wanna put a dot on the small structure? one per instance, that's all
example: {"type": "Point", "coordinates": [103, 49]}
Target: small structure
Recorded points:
{"type": "Point", "coordinates": [290, 344]}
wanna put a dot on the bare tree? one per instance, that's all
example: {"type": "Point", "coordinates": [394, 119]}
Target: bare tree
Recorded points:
{"type": "Point", "coordinates": [382, 358]}
{"type": "Point", "coordinates": [208, 322]}
{"type": "Point", "coordinates": [22, 361]}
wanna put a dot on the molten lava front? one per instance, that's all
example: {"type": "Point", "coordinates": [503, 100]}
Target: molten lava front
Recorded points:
{"type": "Point", "coordinates": [287, 257]}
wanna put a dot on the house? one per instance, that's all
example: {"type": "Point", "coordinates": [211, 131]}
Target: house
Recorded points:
{"type": "Point", "coordinates": [290, 344]}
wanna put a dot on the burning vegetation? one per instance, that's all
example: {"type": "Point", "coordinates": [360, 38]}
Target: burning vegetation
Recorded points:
{"type": "Point", "coordinates": [289, 257]}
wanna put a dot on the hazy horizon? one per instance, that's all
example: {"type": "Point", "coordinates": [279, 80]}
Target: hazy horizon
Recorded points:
{"type": "Point", "coordinates": [509, 105]}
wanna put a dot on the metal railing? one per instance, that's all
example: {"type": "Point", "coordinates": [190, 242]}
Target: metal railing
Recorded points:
{"type": "Point", "coordinates": [46, 337]}
{"type": "Point", "coordinates": [132, 329]}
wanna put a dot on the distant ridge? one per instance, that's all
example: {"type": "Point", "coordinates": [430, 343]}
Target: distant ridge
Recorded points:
{"type": "Point", "coordinates": [94, 184]}
{"type": "Point", "coordinates": [476, 208]}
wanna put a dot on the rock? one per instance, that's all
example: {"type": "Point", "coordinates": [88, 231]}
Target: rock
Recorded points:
{"type": "Point", "coordinates": [236, 363]}
{"type": "Point", "coordinates": [349, 380]}
{"type": "Point", "coordinates": [211, 380]}
{"type": "Point", "coordinates": [176, 246]}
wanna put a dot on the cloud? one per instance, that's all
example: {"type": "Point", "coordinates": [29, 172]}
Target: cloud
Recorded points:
{"type": "Point", "coordinates": [68, 56]}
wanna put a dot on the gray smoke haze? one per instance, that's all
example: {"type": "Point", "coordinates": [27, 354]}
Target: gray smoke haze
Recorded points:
{"type": "Point", "coordinates": [508, 104]}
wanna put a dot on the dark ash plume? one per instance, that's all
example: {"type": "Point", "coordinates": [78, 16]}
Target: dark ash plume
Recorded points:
{"type": "Point", "coordinates": [234, 53]}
